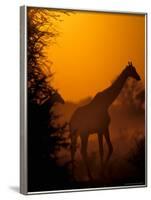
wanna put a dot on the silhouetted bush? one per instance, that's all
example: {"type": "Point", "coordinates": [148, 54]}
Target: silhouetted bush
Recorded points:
{"type": "Point", "coordinates": [137, 157]}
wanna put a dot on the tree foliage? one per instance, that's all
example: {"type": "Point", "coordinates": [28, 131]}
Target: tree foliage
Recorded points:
{"type": "Point", "coordinates": [42, 170]}
{"type": "Point", "coordinates": [41, 32]}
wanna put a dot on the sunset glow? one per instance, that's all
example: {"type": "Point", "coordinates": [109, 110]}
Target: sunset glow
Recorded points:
{"type": "Point", "coordinates": [93, 48]}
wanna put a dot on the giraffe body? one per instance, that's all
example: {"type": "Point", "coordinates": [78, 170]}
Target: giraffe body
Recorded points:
{"type": "Point", "coordinates": [89, 119]}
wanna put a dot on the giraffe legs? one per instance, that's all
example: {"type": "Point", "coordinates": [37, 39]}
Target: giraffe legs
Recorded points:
{"type": "Point", "coordinates": [101, 152]}
{"type": "Point", "coordinates": [73, 151]}
{"type": "Point", "coordinates": [107, 137]}
{"type": "Point", "coordinates": [84, 142]}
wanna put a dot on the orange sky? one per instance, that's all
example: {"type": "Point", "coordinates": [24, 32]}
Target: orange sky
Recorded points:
{"type": "Point", "coordinates": [92, 50]}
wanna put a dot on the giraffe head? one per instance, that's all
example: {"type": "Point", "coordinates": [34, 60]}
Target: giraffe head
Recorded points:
{"type": "Point", "coordinates": [131, 72]}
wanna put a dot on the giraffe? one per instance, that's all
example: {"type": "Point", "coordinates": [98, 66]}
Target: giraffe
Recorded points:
{"type": "Point", "coordinates": [94, 118]}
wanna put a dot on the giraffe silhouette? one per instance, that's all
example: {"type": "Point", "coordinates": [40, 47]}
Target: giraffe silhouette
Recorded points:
{"type": "Point", "coordinates": [94, 118]}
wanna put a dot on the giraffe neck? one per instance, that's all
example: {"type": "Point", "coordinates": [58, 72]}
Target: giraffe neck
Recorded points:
{"type": "Point", "coordinates": [115, 89]}
{"type": "Point", "coordinates": [105, 98]}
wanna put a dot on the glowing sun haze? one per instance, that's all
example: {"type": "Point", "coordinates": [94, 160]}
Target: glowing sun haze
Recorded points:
{"type": "Point", "coordinates": [92, 50]}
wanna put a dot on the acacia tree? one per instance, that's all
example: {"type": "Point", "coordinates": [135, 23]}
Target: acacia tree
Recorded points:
{"type": "Point", "coordinates": [42, 31]}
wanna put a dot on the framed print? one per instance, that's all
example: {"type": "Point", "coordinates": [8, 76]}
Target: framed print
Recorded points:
{"type": "Point", "coordinates": [83, 100]}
